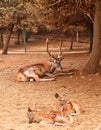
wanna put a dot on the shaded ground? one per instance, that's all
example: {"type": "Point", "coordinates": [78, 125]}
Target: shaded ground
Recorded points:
{"type": "Point", "coordinates": [16, 97]}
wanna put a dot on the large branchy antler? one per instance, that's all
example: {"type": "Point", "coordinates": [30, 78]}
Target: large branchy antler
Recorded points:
{"type": "Point", "coordinates": [47, 43]}
{"type": "Point", "coordinates": [59, 57]}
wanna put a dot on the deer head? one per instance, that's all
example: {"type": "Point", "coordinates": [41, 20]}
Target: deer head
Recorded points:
{"type": "Point", "coordinates": [56, 60]}
{"type": "Point", "coordinates": [30, 115]}
{"type": "Point", "coordinates": [61, 99]}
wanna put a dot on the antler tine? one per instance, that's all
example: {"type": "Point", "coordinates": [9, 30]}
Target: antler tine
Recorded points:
{"type": "Point", "coordinates": [60, 50]}
{"type": "Point", "coordinates": [47, 42]}
{"type": "Point", "coordinates": [61, 42]}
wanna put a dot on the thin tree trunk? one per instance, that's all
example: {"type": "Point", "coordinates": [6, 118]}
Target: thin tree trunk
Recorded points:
{"type": "Point", "coordinates": [93, 62]}
{"type": "Point", "coordinates": [91, 37]}
{"type": "Point", "coordinates": [28, 36]}
{"type": "Point", "coordinates": [18, 37]}
{"type": "Point", "coordinates": [77, 35]}
{"type": "Point", "coordinates": [72, 40]}
{"type": "Point", "coordinates": [1, 38]}
{"type": "Point", "coordinates": [71, 45]}
{"type": "Point", "coordinates": [6, 44]}
{"type": "Point", "coordinates": [19, 34]}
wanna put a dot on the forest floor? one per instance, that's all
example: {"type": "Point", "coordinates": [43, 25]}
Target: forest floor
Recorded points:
{"type": "Point", "coordinates": [16, 97]}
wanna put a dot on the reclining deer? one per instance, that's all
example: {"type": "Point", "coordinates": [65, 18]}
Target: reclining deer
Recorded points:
{"type": "Point", "coordinates": [68, 106]}
{"type": "Point", "coordinates": [37, 71]}
{"type": "Point", "coordinates": [48, 117]}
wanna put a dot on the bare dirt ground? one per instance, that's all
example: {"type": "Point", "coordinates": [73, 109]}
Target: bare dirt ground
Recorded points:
{"type": "Point", "coordinates": [16, 97]}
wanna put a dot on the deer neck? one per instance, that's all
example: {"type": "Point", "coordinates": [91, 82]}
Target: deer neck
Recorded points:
{"type": "Point", "coordinates": [50, 67]}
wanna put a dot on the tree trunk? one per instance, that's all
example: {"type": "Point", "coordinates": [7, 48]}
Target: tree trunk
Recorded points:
{"type": "Point", "coordinates": [77, 35]}
{"type": "Point", "coordinates": [94, 59]}
{"type": "Point", "coordinates": [72, 39]}
{"type": "Point", "coordinates": [1, 38]}
{"type": "Point", "coordinates": [6, 44]}
{"type": "Point", "coordinates": [19, 33]}
{"type": "Point", "coordinates": [28, 36]}
{"type": "Point", "coordinates": [18, 36]}
{"type": "Point", "coordinates": [91, 37]}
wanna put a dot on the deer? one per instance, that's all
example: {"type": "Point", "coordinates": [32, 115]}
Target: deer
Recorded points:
{"type": "Point", "coordinates": [68, 106]}
{"type": "Point", "coordinates": [38, 71]}
{"type": "Point", "coordinates": [48, 117]}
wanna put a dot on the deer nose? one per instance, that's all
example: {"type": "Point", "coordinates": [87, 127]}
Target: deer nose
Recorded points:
{"type": "Point", "coordinates": [59, 68]}
{"type": "Point", "coordinates": [30, 121]}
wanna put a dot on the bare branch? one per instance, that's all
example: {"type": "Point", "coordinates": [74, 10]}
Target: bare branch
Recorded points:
{"type": "Point", "coordinates": [87, 14]}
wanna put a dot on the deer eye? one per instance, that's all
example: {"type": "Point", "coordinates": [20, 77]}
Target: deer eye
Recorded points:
{"type": "Point", "coordinates": [69, 103]}
{"type": "Point", "coordinates": [54, 61]}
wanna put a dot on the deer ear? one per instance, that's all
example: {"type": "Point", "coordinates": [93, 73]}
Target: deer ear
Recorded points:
{"type": "Point", "coordinates": [29, 109]}
{"type": "Point", "coordinates": [60, 57]}
{"type": "Point", "coordinates": [56, 95]}
{"type": "Point", "coordinates": [52, 60]}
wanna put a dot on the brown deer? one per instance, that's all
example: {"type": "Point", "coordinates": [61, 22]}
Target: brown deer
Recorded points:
{"type": "Point", "coordinates": [48, 117]}
{"type": "Point", "coordinates": [36, 72]}
{"type": "Point", "coordinates": [68, 106]}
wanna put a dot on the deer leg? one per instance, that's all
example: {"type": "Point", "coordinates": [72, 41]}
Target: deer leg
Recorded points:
{"type": "Point", "coordinates": [47, 122]}
{"type": "Point", "coordinates": [50, 75]}
{"type": "Point", "coordinates": [36, 77]}
{"type": "Point", "coordinates": [60, 124]}
{"type": "Point", "coordinates": [21, 77]}
{"type": "Point", "coordinates": [63, 120]}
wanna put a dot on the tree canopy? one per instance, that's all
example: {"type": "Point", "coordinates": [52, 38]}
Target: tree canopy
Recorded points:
{"type": "Point", "coordinates": [37, 14]}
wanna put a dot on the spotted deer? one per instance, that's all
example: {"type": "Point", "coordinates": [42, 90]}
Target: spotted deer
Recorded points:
{"type": "Point", "coordinates": [48, 117]}
{"type": "Point", "coordinates": [36, 72]}
{"type": "Point", "coordinates": [68, 106]}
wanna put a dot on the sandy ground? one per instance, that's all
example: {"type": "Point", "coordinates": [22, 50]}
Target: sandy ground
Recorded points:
{"type": "Point", "coordinates": [16, 97]}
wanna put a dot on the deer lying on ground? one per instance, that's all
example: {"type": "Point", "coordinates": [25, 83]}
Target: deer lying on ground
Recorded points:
{"type": "Point", "coordinates": [48, 117]}
{"type": "Point", "coordinates": [37, 71]}
{"type": "Point", "coordinates": [68, 106]}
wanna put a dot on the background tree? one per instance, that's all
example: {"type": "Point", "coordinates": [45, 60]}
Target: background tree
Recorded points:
{"type": "Point", "coordinates": [16, 15]}
{"type": "Point", "coordinates": [7, 21]}
{"type": "Point", "coordinates": [94, 59]}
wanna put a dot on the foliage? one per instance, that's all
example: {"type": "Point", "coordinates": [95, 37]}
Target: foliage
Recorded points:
{"type": "Point", "coordinates": [20, 13]}
{"type": "Point", "coordinates": [41, 14]}
{"type": "Point", "coordinates": [72, 12]}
